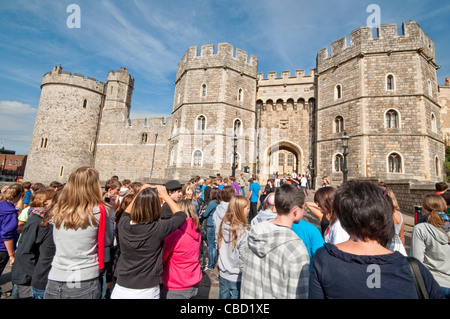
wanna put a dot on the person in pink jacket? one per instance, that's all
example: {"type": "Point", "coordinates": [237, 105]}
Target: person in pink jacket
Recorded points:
{"type": "Point", "coordinates": [182, 271]}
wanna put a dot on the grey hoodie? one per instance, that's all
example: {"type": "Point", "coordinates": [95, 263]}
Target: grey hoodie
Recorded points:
{"type": "Point", "coordinates": [230, 261]}
{"type": "Point", "coordinates": [221, 209]}
{"type": "Point", "coordinates": [263, 215]}
{"type": "Point", "coordinates": [431, 246]}
{"type": "Point", "coordinates": [276, 264]}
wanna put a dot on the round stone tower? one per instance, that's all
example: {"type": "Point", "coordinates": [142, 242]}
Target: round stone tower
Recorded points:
{"type": "Point", "coordinates": [213, 113]}
{"type": "Point", "coordinates": [66, 126]}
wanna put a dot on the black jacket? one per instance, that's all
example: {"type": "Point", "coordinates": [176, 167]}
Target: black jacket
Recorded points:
{"type": "Point", "coordinates": [141, 245]}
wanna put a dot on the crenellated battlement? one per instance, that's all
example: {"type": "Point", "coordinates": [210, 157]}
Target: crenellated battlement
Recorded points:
{"type": "Point", "coordinates": [388, 40]}
{"type": "Point", "coordinates": [287, 77]}
{"type": "Point", "coordinates": [57, 76]}
{"type": "Point", "coordinates": [121, 75]}
{"type": "Point", "coordinates": [149, 122]}
{"type": "Point", "coordinates": [225, 56]}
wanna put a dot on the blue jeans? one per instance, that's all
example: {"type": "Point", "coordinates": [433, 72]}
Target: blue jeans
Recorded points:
{"type": "Point", "coordinates": [242, 188]}
{"type": "Point", "coordinates": [88, 289]}
{"type": "Point", "coordinates": [37, 293]}
{"type": "Point", "coordinates": [446, 292]}
{"type": "Point", "coordinates": [229, 289]}
{"type": "Point", "coordinates": [212, 250]}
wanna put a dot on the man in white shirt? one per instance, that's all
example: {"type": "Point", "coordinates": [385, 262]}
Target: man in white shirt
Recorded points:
{"type": "Point", "coordinates": [304, 184]}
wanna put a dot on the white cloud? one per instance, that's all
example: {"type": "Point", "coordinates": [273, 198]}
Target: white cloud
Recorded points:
{"type": "Point", "coordinates": [17, 123]}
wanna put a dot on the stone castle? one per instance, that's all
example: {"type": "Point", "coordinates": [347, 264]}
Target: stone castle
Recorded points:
{"type": "Point", "coordinates": [381, 91]}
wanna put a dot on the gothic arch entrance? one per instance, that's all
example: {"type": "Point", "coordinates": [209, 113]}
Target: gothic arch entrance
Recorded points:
{"type": "Point", "coordinates": [282, 157]}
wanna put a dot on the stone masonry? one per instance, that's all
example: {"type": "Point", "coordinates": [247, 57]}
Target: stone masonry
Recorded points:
{"type": "Point", "coordinates": [382, 91]}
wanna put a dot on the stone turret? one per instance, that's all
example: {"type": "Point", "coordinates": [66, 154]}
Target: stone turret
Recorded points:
{"type": "Point", "coordinates": [66, 126]}
{"type": "Point", "coordinates": [218, 89]}
{"type": "Point", "coordinates": [384, 92]}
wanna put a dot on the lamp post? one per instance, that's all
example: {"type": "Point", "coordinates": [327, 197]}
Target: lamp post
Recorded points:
{"type": "Point", "coordinates": [345, 139]}
{"type": "Point", "coordinates": [233, 168]}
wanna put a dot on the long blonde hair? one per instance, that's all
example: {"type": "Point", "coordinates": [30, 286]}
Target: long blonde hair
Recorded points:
{"type": "Point", "coordinates": [78, 197]}
{"type": "Point", "coordinates": [235, 218]}
{"type": "Point", "coordinates": [189, 208]}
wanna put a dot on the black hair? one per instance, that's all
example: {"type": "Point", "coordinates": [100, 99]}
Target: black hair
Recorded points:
{"type": "Point", "coordinates": [365, 210]}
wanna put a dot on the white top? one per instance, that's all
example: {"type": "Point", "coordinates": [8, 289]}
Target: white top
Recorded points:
{"type": "Point", "coordinates": [335, 234]}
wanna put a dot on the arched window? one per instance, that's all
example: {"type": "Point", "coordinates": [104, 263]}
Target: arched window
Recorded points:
{"type": "Point", "coordinates": [433, 123]}
{"type": "Point", "coordinates": [436, 166]}
{"type": "Point", "coordinates": [201, 123]}
{"type": "Point", "coordinates": [338, 162]}
{"type": "Point", "coordinates": [390, 82]}
{"type": "Point", "coordinates": [339, 124]}
{"type": "Point", "coordinates": [240, 95]}
{"type": "Point", "coordinates": [204, 90]}
{"type": "Point", "coordinates": [237, 126]}
{"type": "Point", "coordinates": [394, 163]}
{"type": "Point", "coordinates": [144, 138]}
{"type": "Point", "coordinates": [392, 119]}
{"type": "Point", "coordinates": [337, 92]}
{"type": "Point", "coordinates": [197, 158]}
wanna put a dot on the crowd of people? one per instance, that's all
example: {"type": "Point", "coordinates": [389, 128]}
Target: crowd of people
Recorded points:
{"type": "Point", "coordinates": [133, 240]}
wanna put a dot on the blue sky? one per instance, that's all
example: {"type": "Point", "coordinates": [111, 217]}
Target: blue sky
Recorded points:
{"type": "Point", "coordinates": [150, 37]}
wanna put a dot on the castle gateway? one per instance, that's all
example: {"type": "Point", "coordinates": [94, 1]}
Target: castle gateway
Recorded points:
{"type": "Point", "coordinates": [382, 92]}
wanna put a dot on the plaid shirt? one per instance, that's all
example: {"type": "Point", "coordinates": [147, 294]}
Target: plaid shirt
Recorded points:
{"type": "Point", "coordinates": [276, 264]}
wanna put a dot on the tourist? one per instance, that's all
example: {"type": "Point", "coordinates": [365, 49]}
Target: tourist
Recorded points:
{"type": "Point", "coordinates": [253, 196]}
{"type": "Point", "coordinates": [188, 192]}
{"type": "Point", "coordinates": [398, 242]}
{"type": "Point", "coordinates": [430, 241]}
{"type": "Point", "coordinates": [225, 195]}
{"type": "Point", "coordinates": [322, 206]}
{"type": "Point", "coordinates": [241, 182]}
{"type": "Point", "coordinates": [9, 224]}
{"type": "Point", "coordinates": [304, 184]}
{"type": "Point", "coordinates": [210, 229]}
{"type": "Point", "coordinates": [268, 211]}
{"type": "Point", "coordinates": [335, 233]}
{"type": "Point", "coordinates": [326, 181]}
{"type": "Point", "coordinates": [44, 240]}
{"type": "Point", "coordinates": [231, 241]}
{"type": "Point", "coordinates": [276, 260]}
{"type": "Point", "coordinates": [141, 237]}
{"type": "Point", "coordinates": [80, 231]}
{"type": "Point", "coordinates": [182, 272]}
{"type": "Point", "coordinates": [27, 253]}
{"type": "Point", "coordinates": [235, 185]}
{"type": "Point", "coordinates": [362, 267]}
{"type": "Point", "coordinates": [269, 188]}
{"type": "Point", "coordinates": [173, 188]}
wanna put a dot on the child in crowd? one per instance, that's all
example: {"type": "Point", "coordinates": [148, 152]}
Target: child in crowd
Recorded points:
{"type": "Point", "coordinates": [182, 271]}
{"type": "Point", "coordinates": [231, 241]}
{"type": "Point", "coordinates": [141, 236]}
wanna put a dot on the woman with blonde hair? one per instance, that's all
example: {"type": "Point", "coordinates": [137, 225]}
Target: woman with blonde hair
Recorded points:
{"type": "Point", "coordinates": [430, 242]}
{"type": "Point", "coordinates": [188, 192]}
{"type": "Point", "coordinates": [182, 271]}
{"type": "Point", "coordinates": [81, 231]}
{"type": "Point", "coordinates": [231, 242]}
